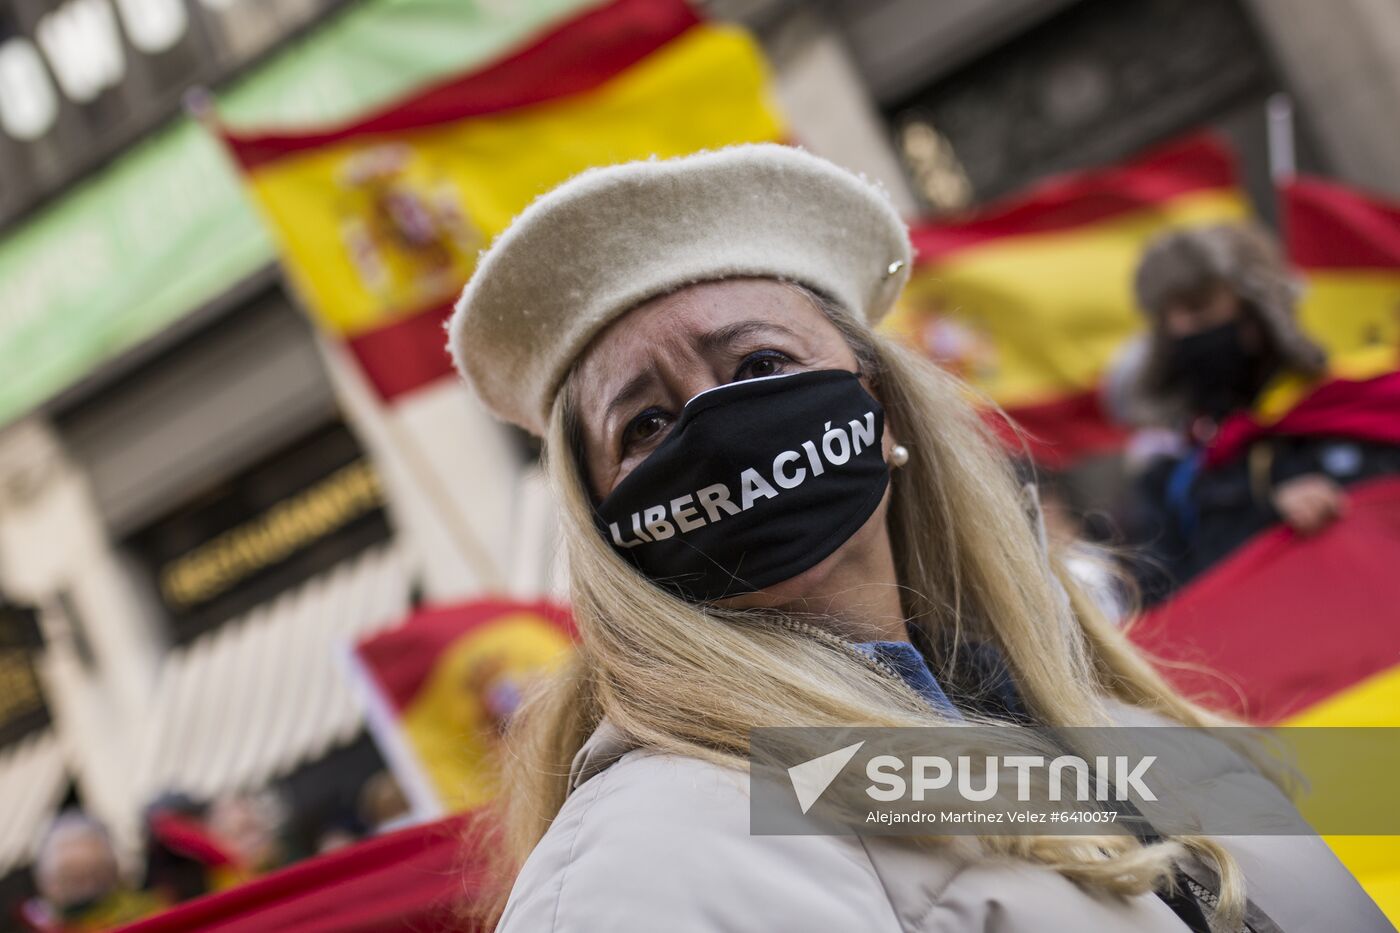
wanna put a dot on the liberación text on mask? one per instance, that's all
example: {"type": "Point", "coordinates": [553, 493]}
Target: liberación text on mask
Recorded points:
{"type": "Point", "coordinates": [790, 469]}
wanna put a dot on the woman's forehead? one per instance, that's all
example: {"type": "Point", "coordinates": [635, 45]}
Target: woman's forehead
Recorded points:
{"type": "Point", "coordinates": [697, 318]}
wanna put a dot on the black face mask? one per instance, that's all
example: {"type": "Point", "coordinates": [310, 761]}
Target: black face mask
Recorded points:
{"type": "Point", "coordinates": [758, 481]}
{"type": "Point", "coordinates": [1214, 370]}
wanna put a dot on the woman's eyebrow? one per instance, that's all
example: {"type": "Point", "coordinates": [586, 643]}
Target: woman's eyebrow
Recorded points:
{"type": "Point", "coordinates": [630, 390]}
{"type": "Point", "coordinates": [718, 339]}
{"type": "Point", "coordinates": [721, 337]}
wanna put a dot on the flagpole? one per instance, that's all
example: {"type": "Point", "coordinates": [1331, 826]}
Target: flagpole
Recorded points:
{"type": "Point", "coordinates": [419, 464]}
{"type": "Point", "coordinates": [1283, 163]}
{"type": "Point", "coordinates": [387, 732]}
{"type": "Point", "coordinates": [350, 381]}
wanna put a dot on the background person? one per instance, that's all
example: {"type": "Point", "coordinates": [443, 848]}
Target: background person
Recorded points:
{"type": "Point", "coordinates": [79, 881]}
{"type": "Point", "coordinates": [1225, 362]}
{"type": "Point", "coordinates": [249, 826]}
{"type": "Point", "coordinates": [183, 860]}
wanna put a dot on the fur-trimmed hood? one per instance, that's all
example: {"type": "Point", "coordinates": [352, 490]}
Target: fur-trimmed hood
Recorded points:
{"type": "Point", "coordinates": [1186, 261]}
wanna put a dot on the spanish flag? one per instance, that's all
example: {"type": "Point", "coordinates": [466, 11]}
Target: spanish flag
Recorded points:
{"type": "Point", "coordinates": [1029, 299]}
{"type": "Point", "coordinates": [1358, 398]}
{"type": "Point", "coordinates": [417, 879]}
{"type": "Point", "coordinates": [1288, 624]}
{"type": "Point", "coordinates": [1301, 631]}
{"type": "Point", "coordinates": [1347, 246]}
{"type": "Point", "coordinates": [444, 684]}
{"type": "Point", "coordinates": [380, 221]}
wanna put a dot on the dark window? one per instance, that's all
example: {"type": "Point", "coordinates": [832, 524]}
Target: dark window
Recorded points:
{"type": "Point", "coordinates": [1091, 85]}
{"type": "Point", "coordinates": [300, 511]}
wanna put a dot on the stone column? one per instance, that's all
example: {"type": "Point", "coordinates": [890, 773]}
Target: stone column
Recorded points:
{"type": "Point", "coordinates": [1341, 61]}
{"type": "Point", "coordinates": [101, 649]}
{"type": "Point", "coordinates": [826, 102]}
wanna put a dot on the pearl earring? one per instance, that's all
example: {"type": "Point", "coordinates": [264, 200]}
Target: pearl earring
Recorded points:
{"type": "Point", "coordinates": [899, 456]}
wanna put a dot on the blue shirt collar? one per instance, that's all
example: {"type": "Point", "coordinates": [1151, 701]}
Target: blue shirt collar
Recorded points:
{"type": "Point", "coordinates": [910, 665]}
{"type": "Point", "coordinates": [990, 690]}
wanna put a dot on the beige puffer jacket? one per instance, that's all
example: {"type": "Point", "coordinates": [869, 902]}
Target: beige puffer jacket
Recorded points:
{"type": "Point", "coordinates": [649, 842]}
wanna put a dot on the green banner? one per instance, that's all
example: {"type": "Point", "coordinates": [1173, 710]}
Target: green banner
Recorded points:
{"type": "Point", "coordinates": [167, 227]}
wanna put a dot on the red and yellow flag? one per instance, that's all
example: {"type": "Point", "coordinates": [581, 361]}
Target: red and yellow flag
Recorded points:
{"type": "Point", "coordinates": [450, 679]}
{"type": "Point", "coordinates": [417, 879]}
{"type": "Point", "coordinates": [1301, 631]}
{"type": "Point", "coordinates": [1289, 623]}
{"type": "Point", "coordinates": [1029, 299]}
{"type": "Point", "coordinates": [380, 221]}
{"type": "Point", "coordinates": [1347, 246]}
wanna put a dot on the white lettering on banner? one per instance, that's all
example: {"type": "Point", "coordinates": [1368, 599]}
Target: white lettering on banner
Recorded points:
{"type": "Point", "coordinates": [1081, 772]}
{"type": "Point", "coordinates": [1133, 779]}
{"type": "Point", "coordinates": [922, 782]}
{"type": "Point", "coordinates": [989, 785]}
{"type": "Point", "coordinates": [1022, 765]}
{"type": "Point", "coordinates": [883, 772]}
{"type": "Point", "coordinates": [679, 516]}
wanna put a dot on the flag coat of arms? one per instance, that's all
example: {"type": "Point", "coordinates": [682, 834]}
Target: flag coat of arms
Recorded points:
{"type": "Point", "coordinates": [443, 685]}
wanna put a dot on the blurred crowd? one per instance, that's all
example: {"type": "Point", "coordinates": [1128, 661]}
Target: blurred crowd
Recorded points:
{"type": "Point", "coordinates": [189, 849]}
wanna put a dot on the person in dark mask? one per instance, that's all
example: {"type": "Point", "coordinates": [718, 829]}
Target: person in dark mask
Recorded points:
{"type": "Point", "coordinates": [1221, 311]}
{"type": "Point", "coordinates": [1224, 347]}
{"type": "Point", "coordinates": [1217, 354]}
{"type": "Point", "coordinates": [775, 515]}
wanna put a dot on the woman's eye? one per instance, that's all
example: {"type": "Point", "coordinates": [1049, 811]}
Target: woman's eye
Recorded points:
{"type": "Point", "coordinates": [645, 427]}
{"type": "Point", "coordinates": [760, 364]}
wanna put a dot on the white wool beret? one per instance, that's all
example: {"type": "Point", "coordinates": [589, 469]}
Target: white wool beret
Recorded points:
{"type": "Point", "coordinates": [610, 238]}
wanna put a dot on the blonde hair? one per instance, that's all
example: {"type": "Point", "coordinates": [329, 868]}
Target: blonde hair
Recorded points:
{"type": "Point", "coordinates": [695, 679]}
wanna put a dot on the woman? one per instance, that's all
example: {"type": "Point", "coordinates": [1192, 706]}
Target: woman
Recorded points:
{"type": "Point", "coordinates": [690, 337]}
{"type": "Point", "coordinates": [1224, 351]}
